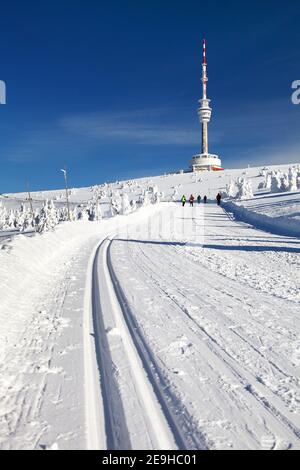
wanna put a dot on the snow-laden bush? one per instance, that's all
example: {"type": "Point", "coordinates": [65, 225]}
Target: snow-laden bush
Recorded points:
{"type": "Point", "coordinates": [144, 199]}
{"type": "Point", "coordinates": [74, 214]}
{"type": "Point", "coordinates": [231, 190]}
{"type": "Point", "coordinates": [84, 214]}
{"type": "Point", "coordinates": [48, 217]}
{"type": "Point", "coordinates": [293, 179]}
{"type": "Point", "coordinates": [25, 220]}
{"type": "Point", "coordinates": [275, 182]}
{"type": "Point", "coordinates": [63, 214]}
{"type": "Point", "coordinates": [126, 207]}
{"type": "Point", "coordinates": [11, 222]}
{"type": "Point", "coordinates": [245, 190]}
{"type": "Point", "coordinates": [152, 189]}
{"type": "Point", "coordinates": [133, 205]}
{"type": "Point", "coordinates": [116, 204]}
{"type": "Point", "coordinates": [266, 184]}
{"type": "Point", "coordinates": [3, 215]}
{"type": "Point", "coordinates": [284, 182]}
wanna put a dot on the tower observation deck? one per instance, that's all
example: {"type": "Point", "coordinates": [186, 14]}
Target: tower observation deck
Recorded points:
{"type": "Point", "coordinates": [205, 160]}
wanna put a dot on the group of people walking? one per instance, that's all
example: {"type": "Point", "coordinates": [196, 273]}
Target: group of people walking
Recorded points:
{"type": "Point", "coordinates": [192, 200]}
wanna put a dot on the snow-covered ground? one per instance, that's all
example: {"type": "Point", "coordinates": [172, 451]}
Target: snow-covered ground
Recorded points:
{"type": "Point", "coordinates": [166, 328]}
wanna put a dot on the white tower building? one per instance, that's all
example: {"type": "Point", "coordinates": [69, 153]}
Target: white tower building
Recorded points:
{"type": "Point", "coordinates": [204, 160]}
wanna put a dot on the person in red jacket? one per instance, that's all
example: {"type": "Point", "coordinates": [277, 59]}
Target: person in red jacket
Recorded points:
{"type": "Point", "coordinates": [192, 200]}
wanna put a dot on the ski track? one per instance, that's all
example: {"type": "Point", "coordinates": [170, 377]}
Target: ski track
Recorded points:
{"type": "Point", "coordinates": [237, 339]}
{"type": "Point", "coordinates": [133, 414]}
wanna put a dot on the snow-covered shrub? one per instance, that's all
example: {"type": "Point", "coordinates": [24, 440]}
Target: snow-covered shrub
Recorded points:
{"type": "Point", "coordinates": [245, 190]}
{"type": "Point", "coordinates": [3, 215]}
{"type": "Point", "coordinates": [126, 207]}
{"type": "Point", "coordinates": [116, 204]}
{"type": "Point", "coordinates": [84, 215]}
{"type": "Point", "coordinates": [25, 219]}
{"type": "Point", "coordinates": [156, 198]}
{"type": "Point", "coordinates": [266, 184]}
{"type": "Point", "coordinates": [63, 214]}
{"type": "Point", "coordinates": [133, 205]}
{"type": "Point", "coordinates": [152, 189]}
{"type": "Point", "coordinates": [11, 221]}
{"type": "Point", "coordinates": [74, 214]}
{"type": "Point", "coordinates": [284, 182]}
{"type": "Point", "coordinates": [144, 199]}
{"type": "Point", "coordinates": [275, 182]}
{"type": "Point", "coordinates": [48, 217]}
{"type": "Point", "coordinates": [293, 175]}
{"type": "Point", "coordinates": [231, 190]}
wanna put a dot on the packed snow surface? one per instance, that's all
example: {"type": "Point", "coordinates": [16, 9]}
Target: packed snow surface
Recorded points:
{"type": "Point", "coordinates": [162, 328]}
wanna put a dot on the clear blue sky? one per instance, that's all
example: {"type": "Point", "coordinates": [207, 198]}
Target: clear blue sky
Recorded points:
{"type": "Point", "coordinates": [110, 88]}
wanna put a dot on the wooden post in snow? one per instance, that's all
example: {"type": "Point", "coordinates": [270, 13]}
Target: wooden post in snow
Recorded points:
{"type": "Point", "coordinates": [67, 195]}
{"type": "Point", "coordinates": [31, 206]}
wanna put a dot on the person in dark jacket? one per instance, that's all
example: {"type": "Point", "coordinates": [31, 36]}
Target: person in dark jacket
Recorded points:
{"type": "Point", "coordinates": [205, 199]}
{"type": "Point", "coordinates": [199, 199]}
{"type": "Point", "coordinates": [219, 197]}
{"type": "Point", "coordinates": [192, 200]}
{"type": "Point", "coordinates": [183, 200]}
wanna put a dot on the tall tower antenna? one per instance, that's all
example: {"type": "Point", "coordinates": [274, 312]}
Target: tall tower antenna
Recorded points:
{"type": "Point", "coordinates": [205, 160]}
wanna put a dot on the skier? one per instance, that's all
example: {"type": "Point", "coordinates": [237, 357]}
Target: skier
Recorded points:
{"type": "Point", "coordinates": [219, 197]}
{"type": "Point", "coordinates": [192, 200]}
{"type": "Point", "coordinates": [199, 199]}
{"type": "Point", "coordinates": [183, 200]}
{"type": "Point", "coordinates": [205, 199]}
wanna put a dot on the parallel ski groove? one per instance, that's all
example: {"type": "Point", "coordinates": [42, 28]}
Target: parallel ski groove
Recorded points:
{"type": "Point", "coordinates": [158, 382]}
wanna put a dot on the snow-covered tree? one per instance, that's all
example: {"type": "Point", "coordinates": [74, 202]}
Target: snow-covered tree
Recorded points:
{"type": "Point", "coordinates": [126, 207]}
{"type": "Point", "coordinates": [275, 182]}
{"type": "Point", "coordinates": [156, 198]}
{"type": "Point", "coordinates": [231, 189]}
{"type": "Point", "coordinates": [11, 220]}
{"type": "Point", "coordinates": [266, 184]}
{"type": "Point", "coordinates": [48, 217]}
{"type": "Point", "coordinates": [133, 205]}
{"type": "Point", "coordinates": [284, 182]}
{"type": "Point", "coordinates": [116, 204]}
{"type": "Point", "coordinates": [245, 190]}
{"type": "Point", "coordinates": [153, 189]}
{"type": "Point", "coordinates": [293, 174]}
{"type": "Point", "coordinates": [63, 214]}
{"type": "Point", "coordinates": [3, 215]}
{"type": "Point", "coordinates": [25, 220]}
